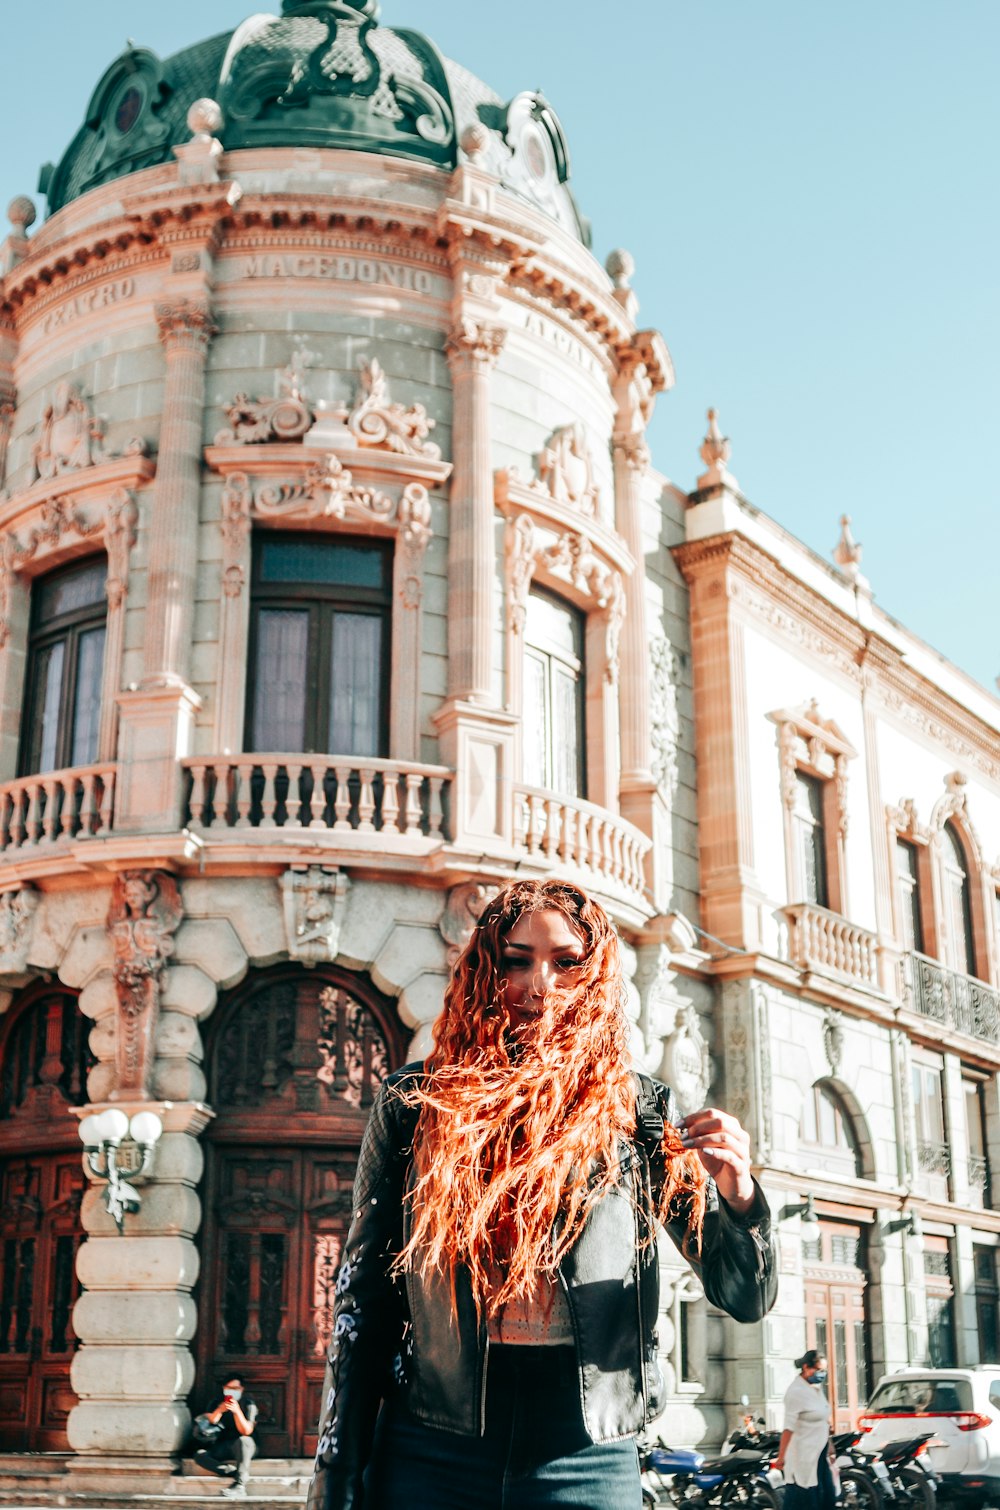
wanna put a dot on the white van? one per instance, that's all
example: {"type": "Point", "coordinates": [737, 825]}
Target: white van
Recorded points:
{"type": "Point", "coordinates": [961, 1406]}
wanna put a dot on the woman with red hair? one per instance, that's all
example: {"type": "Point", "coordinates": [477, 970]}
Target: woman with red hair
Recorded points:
{"type": "Point", "coordinates": [494, 1339]}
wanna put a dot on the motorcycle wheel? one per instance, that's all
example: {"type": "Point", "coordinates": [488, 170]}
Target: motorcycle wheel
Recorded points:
{"type": "Point", "coordinates": [914, 1488]}
{"type": "Point", "coordinates": [859, 1492]}
{"type": "Point", "coordinates": [748, 1494]}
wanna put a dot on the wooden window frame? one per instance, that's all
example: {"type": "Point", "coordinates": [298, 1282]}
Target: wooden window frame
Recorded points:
{"type": "Point", "coordinates": [320, 600]}
{"type": "Point", "coordinates": [951, 810]}
{"type": "Point", "coordinates": [903, 824]}
{"type": "Point", "coordinates": [67, 628]}
{"type": "Point", "coordinates": [580, 619]}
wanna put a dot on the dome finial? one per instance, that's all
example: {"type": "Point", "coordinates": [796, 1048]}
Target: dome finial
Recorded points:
{"type": "Point", "coordinates": [21, 213]}
{"type": "Point", "coordinates": [715, 453]}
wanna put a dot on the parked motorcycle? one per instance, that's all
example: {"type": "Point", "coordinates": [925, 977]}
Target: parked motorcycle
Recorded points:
{"type": "Point", "coordinates": [687, 1480]}
{"type": "Point", "coordinates": [911, 1475]}
{"type": "Point", "coordinates": [864, 1478]}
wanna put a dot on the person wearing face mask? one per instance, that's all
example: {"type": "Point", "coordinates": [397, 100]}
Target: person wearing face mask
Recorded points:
{"type": "Point", "coordinates": [804, 1451]}
{"type": "Point", "coordinates": [227, 1432]}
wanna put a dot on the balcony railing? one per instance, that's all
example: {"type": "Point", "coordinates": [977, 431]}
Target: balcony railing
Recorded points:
{"type": "Point", "coordinates": [955, 1001]}
{"type": "Point", "coordinates": [336, 793]}
{"type": "Point", "coordinates": [40, 811]}
{"type": "Point", "coordinates": [570, 832]}
{"type": "Point", "coordinates": [824, 941]}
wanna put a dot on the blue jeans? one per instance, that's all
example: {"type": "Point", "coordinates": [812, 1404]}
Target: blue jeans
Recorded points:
{"type": "Point", "coordinates": [535, 1451]}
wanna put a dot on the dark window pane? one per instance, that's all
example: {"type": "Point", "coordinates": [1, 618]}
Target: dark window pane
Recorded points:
{"type": "Point", "coordinates": [280, 680]}
{"type": "Point", "coordinates": [567, 723]}
{"type": "Point", "coordinates": [808, 817]}
{"type": "Point", "coordinates": [907, 871]}
{"type": "Point", "coordinates": [325, 561]}
{"type": "Point", "coordinates": [68, 591]}
{"type": "Point", "coordinates": [860, 1362]}
{"type": "Point", "coordinates": [355, 679]}
{"type": "Point", "coordinates": [840, 1362]}
{"type": "Point", "coordinates": [87, 707]}
{"type": "Point", "coordinates": [47, 674]}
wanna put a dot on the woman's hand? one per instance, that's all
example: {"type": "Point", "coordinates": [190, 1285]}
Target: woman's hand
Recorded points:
{"type": "Point", "coordinates": [723, 1146]}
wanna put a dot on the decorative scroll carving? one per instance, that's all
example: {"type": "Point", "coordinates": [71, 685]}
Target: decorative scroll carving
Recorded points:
{"type": "Point", "coordinates": [808, 741]}
{"type": "Point", "coordinates": [237, 501]}
{"type": "Point", "coordinates": [17, 915]}
{"type": "Point", "coordinates": [285, 418]}
{"type": "Point", "coordinates": [566, 469]}
{"type": "Point", "coordinates": [120, 533]}
{"type": "Point", "coordinates": [631, 445]}
{"type": "Point", "coordinates": [664, 722]}
{"type": "Point", "coordinates": [520, 548]}
{"type": "Point", "coordinates": [461, 913]}
{"type": "Point", "coordinates": [414, 533]}
{"type": "Point", "coordinates": [144, 915]}
{"type": "Point", "coordinates": [314, 903]}
{"type": "Point", "coordinates": [903, 818]}
{"type": "Point", "coordinates": [374, 420]}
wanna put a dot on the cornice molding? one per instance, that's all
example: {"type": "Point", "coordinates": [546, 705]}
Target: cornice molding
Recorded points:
{"type": "Point", "coordinates": [740, 571]}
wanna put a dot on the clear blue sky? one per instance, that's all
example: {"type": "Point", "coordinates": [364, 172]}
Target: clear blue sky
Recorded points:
{"type": "Point", "coordinates": [810, 192]}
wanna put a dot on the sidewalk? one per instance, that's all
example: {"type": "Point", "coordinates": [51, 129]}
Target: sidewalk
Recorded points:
{"type": "Point", "coordinates": [41, 1481]}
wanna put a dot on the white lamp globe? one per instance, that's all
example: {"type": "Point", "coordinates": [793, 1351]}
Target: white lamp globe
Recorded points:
{"type": "Point", "coordinates": [90, 1131]}
{"type": "Point", "coordinates": [113, 1125]}
{"type": "Point", "coordinates": [146, 1127]}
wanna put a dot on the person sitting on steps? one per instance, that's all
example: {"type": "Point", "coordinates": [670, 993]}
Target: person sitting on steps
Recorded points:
{"type": "Point", "coordinates": [231, 1445]}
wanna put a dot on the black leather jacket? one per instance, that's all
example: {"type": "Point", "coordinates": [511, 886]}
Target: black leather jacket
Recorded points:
{"type": "Point", "coordinates": [399, 1334]}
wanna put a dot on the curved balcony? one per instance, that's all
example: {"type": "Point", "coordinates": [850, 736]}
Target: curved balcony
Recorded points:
{"type": "Point", "coordinates": [266, 797]}
{"type": "Point", "coordinates": [39, 813]}
{"type": "Point", "coordinates": [606, 850]}
{"type": "Point", "coordinates": [955, 1001]}
{"type": "Point", "coordinates": [827, 944]}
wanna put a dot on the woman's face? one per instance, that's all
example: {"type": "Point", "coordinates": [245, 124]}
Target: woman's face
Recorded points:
{"type": "Point", "coordinates": [542, 952]}
{"type": "Point", "coordinates": [818, 1369]}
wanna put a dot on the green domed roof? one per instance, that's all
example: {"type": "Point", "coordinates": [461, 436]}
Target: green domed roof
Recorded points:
{"type": "Point", "coordinates": [322, 74]}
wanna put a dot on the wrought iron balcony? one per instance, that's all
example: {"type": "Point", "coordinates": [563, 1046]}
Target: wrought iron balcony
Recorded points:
{"type": "Point", "coordinates": [37, 813]}
{"type": "Point", "coordinates": [959, 1002]}
{"type": "Point", "coordinates": [825, 942]}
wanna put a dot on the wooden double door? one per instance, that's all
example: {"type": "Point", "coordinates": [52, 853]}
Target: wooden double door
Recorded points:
{"type": "Point", "coordinates": [835, 1282]}
{"type": "Point", "coordinates": [294, 1062]}
{"type": "Point", "coordinates": [43, 1065]}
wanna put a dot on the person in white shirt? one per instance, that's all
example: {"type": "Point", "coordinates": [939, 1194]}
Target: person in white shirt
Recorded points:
{"type": "Point", "coordinates": [804, 1452]}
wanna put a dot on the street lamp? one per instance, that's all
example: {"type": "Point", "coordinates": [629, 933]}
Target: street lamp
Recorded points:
{"type": "Point", "coordinates": [114, 1146]}
{"type": "Point", "coordinates": [806, 1209]}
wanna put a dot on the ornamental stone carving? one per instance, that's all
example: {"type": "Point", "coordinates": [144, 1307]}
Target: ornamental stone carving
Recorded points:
{"type": "Point", "coordinates": [566, 469]}
{"type": "Point", "coordinates": [715, 453]}
{"type": "Point", "coordinates": [120, 534]}
{"type": "Point", "coordinates": [185, 323]}
{"type": "Point", "coordinates": [520, 548]}
{"type": "Point", "coordinates": [833, 1038]}
{"type": "Point", "coordinates": [664, 720]}
{"type": "Point", "coordinates": [144, 915]}
{"type": "Point", "coordinates": [413, 534]}
{"type": "Point", "coordinates": [71, 438]}
{"type": "Point", "coordinates": [687, 1063]}
{"type": "Point", "coordinates": [374, 420]}
{"type": "Point", "coordinates": [462, 912]}
{"type": "Point", "coordinates": [315, 901]}
{"type": "Point", "coordinates": [17, 917]}
{"type": "Point", "coordinates": [474, 342]}
{"type": "Point", "coordinates": [285, 418]}
{"type": "Point", "coordinates": [570, 556]}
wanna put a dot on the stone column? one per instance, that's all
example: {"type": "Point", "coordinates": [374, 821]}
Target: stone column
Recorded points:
{"type": "Point", "coordinates": [157, 719]}
{"type": "Point", "coordinates": [185, 329]}
{"type": "Point", "coordinates": [472, 351]}
{"type": "Point", "coordinates": [631, 458]}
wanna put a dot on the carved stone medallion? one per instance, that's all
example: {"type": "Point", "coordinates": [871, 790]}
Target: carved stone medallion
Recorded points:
{"type": "Point", "coordinates": [315, 901]}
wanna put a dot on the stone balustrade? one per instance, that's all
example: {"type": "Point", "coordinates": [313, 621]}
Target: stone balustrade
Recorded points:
{"type": "Point", "coordinates": [825, 942]}
{"type": "Point", "coordinates": [568, 832]}
{"type": "Point", "coordinates": [58, 805]}
{"type": "Point", "coordinates": [332, 792]}
{"type": "Point", "coordinates": [953, 1000]}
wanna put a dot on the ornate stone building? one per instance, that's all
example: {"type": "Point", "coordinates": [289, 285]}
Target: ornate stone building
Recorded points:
{"type": "Point", "coordinates": [335, 585]}
{"type": "Point", "coordinates": [849, 828]}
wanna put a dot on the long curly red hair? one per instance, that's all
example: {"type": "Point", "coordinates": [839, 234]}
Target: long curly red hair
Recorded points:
{"type": "Point", "coordinates": [519, 1135]}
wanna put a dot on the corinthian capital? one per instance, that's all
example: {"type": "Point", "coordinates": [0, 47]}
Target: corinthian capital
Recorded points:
{"type": "Point", "coordinates": [474, 343]}
{"type": "Point", "coordinates": [186, 322]}
{"type": "Point", "coordinates": [632, 446]}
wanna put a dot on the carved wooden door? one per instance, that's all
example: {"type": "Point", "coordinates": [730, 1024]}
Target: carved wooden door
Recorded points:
{"type": "Point", "coordinates": [835, 1316]}
{"type": "Point", "coordinates": [44, 1064]}
{"type": "Point", "coordinates": [294, 1064]}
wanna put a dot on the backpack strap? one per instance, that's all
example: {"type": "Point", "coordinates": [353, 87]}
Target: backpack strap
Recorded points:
{"type": "Point", "coordinates": [648, 1116]}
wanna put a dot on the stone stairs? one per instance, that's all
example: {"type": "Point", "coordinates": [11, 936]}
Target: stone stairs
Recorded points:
{"type": "Point", "coordinates": [45, 1481]}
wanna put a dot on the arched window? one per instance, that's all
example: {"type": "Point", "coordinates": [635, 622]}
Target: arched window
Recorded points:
{"type": "Point", "coordinates": [62, 703]}
{"type": "Point", "coordinates": [957, 901]}
{"type": "Point", "coordinates": [826, 1126]}
{"type": "Point", "coordinates": [553, 695]}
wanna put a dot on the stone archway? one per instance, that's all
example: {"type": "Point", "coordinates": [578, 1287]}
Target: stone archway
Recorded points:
{"type": "Point", "coordinates": [294, 1057]}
